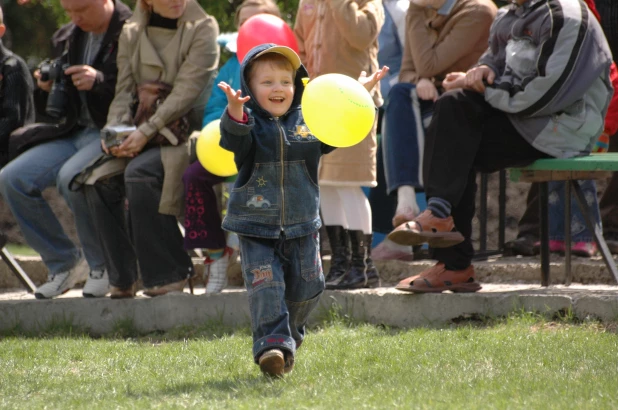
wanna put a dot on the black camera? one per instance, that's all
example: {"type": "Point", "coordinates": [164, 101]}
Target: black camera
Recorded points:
{"type": "Point", "coordinates": [58, 96]}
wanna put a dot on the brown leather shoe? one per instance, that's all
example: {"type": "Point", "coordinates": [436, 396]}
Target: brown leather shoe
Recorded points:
{"type": "Point", "coordinates": [426, 228]}
{"type": "Point", "coordinates": [272, 363]}
{"type": "Point", "coordinates": [123, 293]}
{"type": "Point", "coordinates": [383, 252]}
{"type": "Point", "coordinates": [165, 289]}
{"type": "Point", "coordinates": [438, 279]}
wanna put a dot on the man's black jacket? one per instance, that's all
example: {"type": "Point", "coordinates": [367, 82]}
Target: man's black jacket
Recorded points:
{"type": "Point", "coordinates": [16, 103]}
{"type": "Point", "coordinates": [67, 39]}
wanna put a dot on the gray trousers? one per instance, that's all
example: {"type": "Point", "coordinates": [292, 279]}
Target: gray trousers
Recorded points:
{"type": "Point", "coordinates": [132, 231]}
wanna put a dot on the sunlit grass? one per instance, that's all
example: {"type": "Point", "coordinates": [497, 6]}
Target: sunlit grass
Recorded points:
{"type": "Point", "coordinates": [523, 361]}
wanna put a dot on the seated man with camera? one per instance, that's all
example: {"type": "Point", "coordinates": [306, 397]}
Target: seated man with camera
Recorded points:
{"type": "Point", "coordinates": [77, 88]}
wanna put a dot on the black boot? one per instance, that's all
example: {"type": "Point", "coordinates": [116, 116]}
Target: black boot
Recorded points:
{"type": "Point", "coordinates": [362, 272]}
{"type": "Point", "coordinates": [373, 278]}
{"type": "Point", "coordinates": [340, 254]}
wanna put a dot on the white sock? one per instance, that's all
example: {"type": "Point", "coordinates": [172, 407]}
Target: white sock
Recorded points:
{"type": "Point", "coordinates": [406, 200]}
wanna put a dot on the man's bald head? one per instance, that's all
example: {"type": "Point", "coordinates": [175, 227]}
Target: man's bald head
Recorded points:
{"type": "Point", "coordinates": [91, 16]}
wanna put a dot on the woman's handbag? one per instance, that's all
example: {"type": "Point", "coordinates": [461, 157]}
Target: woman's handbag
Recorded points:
{"type": "Point", "coordinates": [149, 96]}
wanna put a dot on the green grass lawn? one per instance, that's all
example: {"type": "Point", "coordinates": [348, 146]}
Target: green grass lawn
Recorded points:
{"type": "Point", "coordinates": [519, 362]}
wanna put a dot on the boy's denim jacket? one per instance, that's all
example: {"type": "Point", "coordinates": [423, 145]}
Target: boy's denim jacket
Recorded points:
{"type": "Point", "coordinates": [276, 190]}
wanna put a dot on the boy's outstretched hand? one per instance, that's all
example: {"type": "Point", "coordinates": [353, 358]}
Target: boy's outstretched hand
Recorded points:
{"type": "Point", "coordinates": [235, 101]}
{"type": "Point", "coordinates": [372, 80]}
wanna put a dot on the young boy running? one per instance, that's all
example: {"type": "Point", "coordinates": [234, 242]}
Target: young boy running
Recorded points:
{"type": "Point", "coordinates": [274, 207]}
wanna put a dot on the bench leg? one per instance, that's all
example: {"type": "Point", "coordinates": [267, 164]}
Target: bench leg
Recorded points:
{"type": "Point", "coordinates": [568, 274]}
{"type": "Point", "coordinates": [595, 229]}
{"type": "Point", "coordinates": [502, 210]}
{"type": "Point", "coordinates": [544, 221]}
{"type": "Point", "coordinates": [17, 270]}
{"type": "Point", "coordinates": [483, 218]}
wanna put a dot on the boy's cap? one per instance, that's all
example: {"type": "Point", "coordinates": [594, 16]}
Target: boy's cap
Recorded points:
{"type": "Point", "coordinates": [287, 52]}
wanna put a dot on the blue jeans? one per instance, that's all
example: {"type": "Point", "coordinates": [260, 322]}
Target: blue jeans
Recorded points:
{"type": "Point", "coordinates": [403, 136]}
{"type": "Point", "coordinates": [54, 163]}
{"type": "Point", "coordinates": [579, 231]}
{"type": "Point", "coordinates": [284, 281]}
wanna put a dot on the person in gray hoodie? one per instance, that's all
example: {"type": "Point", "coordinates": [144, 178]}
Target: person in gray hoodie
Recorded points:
{"type": "Point", "coordinates": [540, 90]}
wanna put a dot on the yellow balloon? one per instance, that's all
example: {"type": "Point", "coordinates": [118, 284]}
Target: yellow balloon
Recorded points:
{"type": "Point", "coordinates": [338, 110]}
{"type": "Point", "coordinates": [216, 160]}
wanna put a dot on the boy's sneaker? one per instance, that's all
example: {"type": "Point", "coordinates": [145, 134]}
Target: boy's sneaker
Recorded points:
{"type": "Point", "coordinates": [215, 272]}
{"type": "Point", "coordinates": [64, 281]}
{"type": "Point", "coordinates": [97, 284]}
{"type": "Point", "coordinates": [272, 363]}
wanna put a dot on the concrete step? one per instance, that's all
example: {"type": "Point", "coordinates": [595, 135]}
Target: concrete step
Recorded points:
{"type": "Point", "coordinates": [494, 270]}
{"type": "Point", "coordinates": [509, 285]}
{"type": "Point", "coordinates": [382, 306]}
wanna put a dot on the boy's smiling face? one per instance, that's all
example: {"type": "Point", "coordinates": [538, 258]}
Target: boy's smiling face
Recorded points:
{"type": "Point", "coordinates": [272, 87]}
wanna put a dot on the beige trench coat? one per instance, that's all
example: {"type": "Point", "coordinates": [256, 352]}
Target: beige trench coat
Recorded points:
{"type": "Point", "coordinates": [187, 59]}
{"type": "Point", "coordinates": [341, 36]}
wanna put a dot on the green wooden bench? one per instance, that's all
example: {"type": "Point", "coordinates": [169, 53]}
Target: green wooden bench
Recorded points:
{"type": "Point", "coordinates": [594, 166]}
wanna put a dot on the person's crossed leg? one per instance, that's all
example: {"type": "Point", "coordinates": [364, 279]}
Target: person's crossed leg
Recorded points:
{"type": "Point", "coordinates": [466, 135]}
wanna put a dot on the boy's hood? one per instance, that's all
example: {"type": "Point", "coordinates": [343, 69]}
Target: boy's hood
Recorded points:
{"type": "Point", "coordinates": [244, 87]}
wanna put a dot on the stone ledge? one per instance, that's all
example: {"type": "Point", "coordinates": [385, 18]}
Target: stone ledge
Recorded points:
{"type": "Point", "coordinates": [495, 270]}
{"type": "Point", "coordinates": [36, 270]}
{"type": "Point", "coordinates": [382, 306]}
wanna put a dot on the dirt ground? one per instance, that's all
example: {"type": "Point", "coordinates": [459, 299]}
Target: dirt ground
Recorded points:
{"type": "Point", "coordinates": [11, 229]}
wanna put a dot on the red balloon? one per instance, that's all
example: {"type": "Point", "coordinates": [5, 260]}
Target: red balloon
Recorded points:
{"type": "Point", "coordinates": [264, 28]}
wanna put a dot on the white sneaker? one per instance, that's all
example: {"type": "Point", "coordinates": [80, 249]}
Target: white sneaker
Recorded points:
{"type": "Point", "coordinates": [97, 284]}
{"type": "Point", "coordinates": [64, 281]}
{"type": "Point", "coordinates": [215, 272]}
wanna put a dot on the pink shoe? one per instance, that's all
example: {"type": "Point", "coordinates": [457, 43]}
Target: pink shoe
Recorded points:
{"type": "Point", "coordinates": [585, 249]}
{"type": "Point", "coordinates": [383, 252]}
{"type": "Point", "coordinates": [554, 246]}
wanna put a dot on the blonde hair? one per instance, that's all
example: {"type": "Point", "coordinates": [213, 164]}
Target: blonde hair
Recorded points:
{"type": "Point", "coordinates": [1, 16]}
{"type": "Point", "coordinates": [265, 6]}
{"type": "Point", "coordinates": [276, 59]}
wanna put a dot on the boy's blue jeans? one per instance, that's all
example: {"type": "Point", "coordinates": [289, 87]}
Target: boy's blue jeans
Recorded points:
{"type": "Point", "coordinates": [284, 282]}
{"type": "Point", "coordinates": [579, 231]}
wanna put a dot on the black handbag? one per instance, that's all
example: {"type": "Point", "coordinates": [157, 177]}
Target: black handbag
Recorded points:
{"type": "Point", "coordinates": [28, 136]}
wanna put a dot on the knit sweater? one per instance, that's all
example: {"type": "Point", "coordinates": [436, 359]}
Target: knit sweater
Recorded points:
{"type": "Point", "coordinates": [16, 98]}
